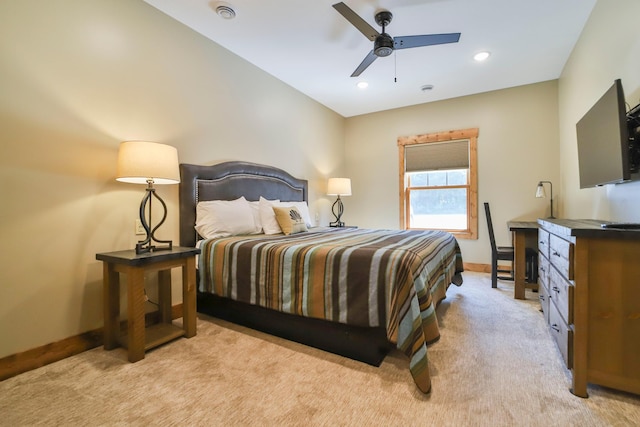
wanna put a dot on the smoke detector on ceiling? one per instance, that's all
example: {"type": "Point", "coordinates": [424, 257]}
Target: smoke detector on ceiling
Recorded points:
{"type": "Point", "coordinates": [224, 10]}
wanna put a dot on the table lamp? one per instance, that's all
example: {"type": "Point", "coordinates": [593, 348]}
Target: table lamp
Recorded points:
{"type": "Point", "coordinates": [338, 187]}
{"type": "Point", "coordinates": [141, 162]}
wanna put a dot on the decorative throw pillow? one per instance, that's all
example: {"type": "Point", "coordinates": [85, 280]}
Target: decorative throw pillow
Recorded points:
{"type": "Point", "coordinates": [303, 208]}
{"type": "Point", "coordinates": [289, 219]}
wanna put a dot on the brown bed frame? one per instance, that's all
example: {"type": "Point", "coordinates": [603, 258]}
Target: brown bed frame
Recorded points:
{"type": "Point", "coordinates": [228, 181]}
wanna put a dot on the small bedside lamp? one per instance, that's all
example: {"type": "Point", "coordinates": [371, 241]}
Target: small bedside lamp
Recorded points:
{"type": "Point", "coordinates": [540, 194]}
{"type": "Point", "coordinates": [338, 187]}
{"type": "Point", "coordinates": [141, 162]}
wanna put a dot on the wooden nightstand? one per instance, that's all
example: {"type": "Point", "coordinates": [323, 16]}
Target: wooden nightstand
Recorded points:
{"type": "Point", "coordinates": [138, 339]}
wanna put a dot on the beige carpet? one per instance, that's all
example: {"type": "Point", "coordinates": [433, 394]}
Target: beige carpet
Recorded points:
{"type": "Point", "coordinates": [495, 365]}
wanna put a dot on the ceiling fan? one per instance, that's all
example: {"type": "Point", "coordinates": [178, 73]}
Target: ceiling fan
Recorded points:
{"type": "Point", "coordinates": [383, 43]}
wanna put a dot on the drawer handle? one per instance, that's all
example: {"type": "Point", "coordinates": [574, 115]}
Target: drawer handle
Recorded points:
{"type": "Point", "coordinates": [555, 327]}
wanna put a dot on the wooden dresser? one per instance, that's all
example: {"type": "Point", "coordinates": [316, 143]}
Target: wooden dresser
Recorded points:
{"type": "Point", "coordinates": [590, 296]}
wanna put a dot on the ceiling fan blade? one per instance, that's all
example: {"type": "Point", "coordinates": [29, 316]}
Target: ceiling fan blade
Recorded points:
{"type": "Point", "coordinates": [355, 19]}
{"type": "Point", "coordinates": [406, 42]}
{"type": "Point", "coordinates": [364, 64]}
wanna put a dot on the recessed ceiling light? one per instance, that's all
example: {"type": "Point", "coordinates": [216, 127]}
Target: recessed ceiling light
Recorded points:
{"type": "Point", "coordinates": [481, 56]}
{"type": "Point", "coordinates": [362, 85]}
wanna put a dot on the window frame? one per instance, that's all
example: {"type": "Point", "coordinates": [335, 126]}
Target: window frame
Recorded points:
{"type": "Point", "coordinates": [470, 135]}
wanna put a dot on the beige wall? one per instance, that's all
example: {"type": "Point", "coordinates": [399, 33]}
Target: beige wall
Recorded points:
{"type": "Point", "coordinates": [609, 48]}
{"type": "Point", "coordinates": [517, 147]}
{"type": "Point", "coordinates": [78, 77]}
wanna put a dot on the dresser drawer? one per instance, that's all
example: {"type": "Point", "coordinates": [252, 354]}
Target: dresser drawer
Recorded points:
{"type": "Point", "coordinates": [543, 242]}
{"type": "Point", "coordinates": [562, 335]}
{"type": "Point", "coordinates": [561, 293]}
{"type": "Point", "coordinates": [543, 270]}
{"type": "Point", "coordinates": [543, 295]}
{"type": "Point", "coordinates": [561, 255]}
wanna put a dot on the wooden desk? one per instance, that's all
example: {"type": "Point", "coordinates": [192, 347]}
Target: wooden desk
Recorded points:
{"type": "Point", "coordinates": [137, 340]}
{"type": "Point", "coordinates": [523, 232]}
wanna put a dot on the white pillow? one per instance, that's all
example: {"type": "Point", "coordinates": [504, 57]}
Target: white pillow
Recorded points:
{"type": "Point", "coordinates": [255, 211]}
{"type": "Point", "coordinates": [268, 217]}
{"type": "Point", "coordinates": [222, 218]}
{"type": "Point", "coordinates": [303, 209]}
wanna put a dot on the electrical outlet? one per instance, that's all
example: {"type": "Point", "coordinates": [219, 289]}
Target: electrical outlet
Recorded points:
{"type": "Point", "coordinates": [140, 231]}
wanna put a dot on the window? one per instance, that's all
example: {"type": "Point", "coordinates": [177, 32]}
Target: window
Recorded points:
{"type": "Point", "coordinates": [438, 182]}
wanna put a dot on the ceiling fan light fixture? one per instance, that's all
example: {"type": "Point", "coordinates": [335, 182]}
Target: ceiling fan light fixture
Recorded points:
{"type": "Point", "coordinates": [481, 56]}
{"type": "Point", "coordinates": [383, 45]}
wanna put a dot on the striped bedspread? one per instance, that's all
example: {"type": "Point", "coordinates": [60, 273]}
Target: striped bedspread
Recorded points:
{"type": "Point", "coordinates": [359, 277]}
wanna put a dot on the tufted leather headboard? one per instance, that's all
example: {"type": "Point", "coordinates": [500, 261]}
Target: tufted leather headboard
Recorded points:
{"type": "Point", "coordinates": [228, 181]}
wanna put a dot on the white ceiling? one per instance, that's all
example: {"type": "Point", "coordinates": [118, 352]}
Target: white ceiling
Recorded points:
{"type": "Point", "coordinates": [311, 47]}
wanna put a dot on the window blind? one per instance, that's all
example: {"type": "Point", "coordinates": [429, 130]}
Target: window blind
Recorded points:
{"type": "Point", "coordinates": [437, 156]}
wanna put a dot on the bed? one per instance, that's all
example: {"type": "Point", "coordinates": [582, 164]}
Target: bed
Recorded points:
{"type": "Point", "coordinates": [354, 292]}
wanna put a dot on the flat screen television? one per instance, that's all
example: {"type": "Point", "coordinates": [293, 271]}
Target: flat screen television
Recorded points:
{"type": "Point", "coordinates": [603, 141]}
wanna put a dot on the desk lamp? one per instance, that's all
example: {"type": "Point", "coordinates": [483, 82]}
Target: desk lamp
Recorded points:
{"type": "Point", "coordinates": [540, 194]}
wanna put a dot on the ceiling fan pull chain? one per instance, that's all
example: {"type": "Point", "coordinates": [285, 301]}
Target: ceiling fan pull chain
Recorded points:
{"type": "Point", "coordinates": [395, 68]}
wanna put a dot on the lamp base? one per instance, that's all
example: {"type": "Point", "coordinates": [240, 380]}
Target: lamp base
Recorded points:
{"type": "Point", "coordinates": [337, 204]}
{"type": "Point", "coordinates": [146, 245]}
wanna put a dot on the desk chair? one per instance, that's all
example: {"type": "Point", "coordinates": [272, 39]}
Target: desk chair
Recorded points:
{"type": "Point", "coordinates": [504, 253]}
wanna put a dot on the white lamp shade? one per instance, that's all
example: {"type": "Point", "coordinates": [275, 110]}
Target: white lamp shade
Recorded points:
{"type": "Point", "coordinates": [540, 191]}
{"type": "Point", "coordinates": [139, 161]}
{"type": "Point", "coordinates": [339, 187]}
